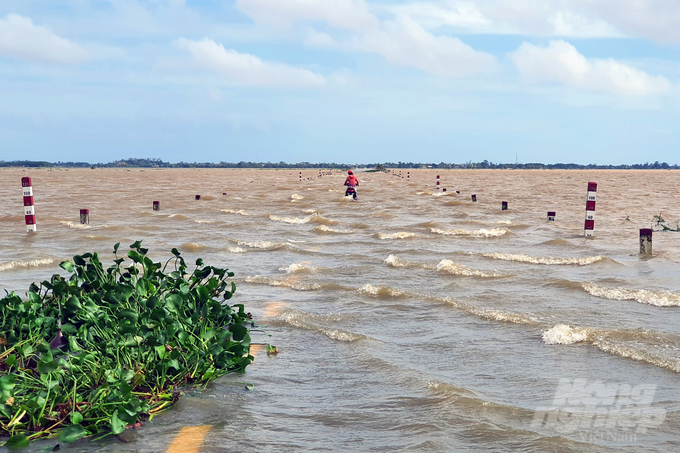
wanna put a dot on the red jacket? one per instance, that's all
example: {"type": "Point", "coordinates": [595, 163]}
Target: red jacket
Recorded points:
{"type": "Point", "coordinates": [351, 181]}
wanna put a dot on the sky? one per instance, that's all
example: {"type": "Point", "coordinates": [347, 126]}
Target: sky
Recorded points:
{"type": "Point", "coordinates": [552, 81]}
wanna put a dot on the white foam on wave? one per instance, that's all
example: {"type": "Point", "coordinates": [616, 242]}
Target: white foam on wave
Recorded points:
{"type": "Point", "coordinates": [205, 221]}
{"type": "Point", "coordinates": [314, 218]}
{"type": "Point", "coordinates": [298, 267]}
{"type": "Point", "coordinates": [295, 198]}
{"type": "Point", "coordinates": [82, 226]}
{"type": "Point", "coordinates": [291, 219]}
{"type": "Point", "coordinates": [482, 232]}
{"type": "Point", "coordinates": [641, 345]}
{"type": "Point", "coordinates": [439, 194]}
{"type": "Point", "coordinates": [544, 260]}
{"type": "Point", "coordinates": [491, 314]}
{"type": "Point", "coordinates": [399, 235]}
{"type": "Point", "coordinates": [458, 269]}
{"type": "Point", "coordinates": [395, 261]}
{"type": "Point", "coordinates": [659, 298]}
{"type": "Point", "coordinates": [381, 291]}
{"type": "Point", "coordinates": [564, 334]}
{"type": "Point", "coordinates": [502, 316]}
{"type": "Point", "coordinates": [292, 284]}
{"type": "Point", "coordinates": [266, 245]}
{"type": "Point", "coordinates": [24, 264]}
{"type": "Point", "coordinates": [325, 229]}
{"type": "Point", "coordinates": [234, 211]}
{"type": "Point", "coordinates": [236, 249]}
{"type": "Point", "coordinates": [658, 355]}
{"type": "Point", "coordinates": [301, 321]}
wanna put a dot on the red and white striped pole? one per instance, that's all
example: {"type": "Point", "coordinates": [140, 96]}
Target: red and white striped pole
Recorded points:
{"type": "Point", "coordinates": [408, 175]}
{"type": "Point", "coordinates": [590, 210]}
{"type": "Point", "coordinates": [29, 208]}
{"type": "Point", "coordinates": [300, 176]}
{"type": "Point", "coordinates": [437, 182]}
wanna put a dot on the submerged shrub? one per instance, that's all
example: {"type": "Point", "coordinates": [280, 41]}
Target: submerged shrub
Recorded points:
{"type": "Point", "coordinates": [96, 352]}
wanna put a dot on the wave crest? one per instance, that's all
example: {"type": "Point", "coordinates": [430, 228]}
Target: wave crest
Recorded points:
{"type": "Point", "coordinates": [234, 211]}
{"type": "Point", "coordinates": [81, 226]}
{"type": "Point", "coordinates": [193, 247]}
{"type": "Point", "coordinates": [660, 298]}
{"type": "Point", "coordinates": [24, 264]}
{"type": "Point", "coordinates": [315, 218]}
{"type": "Point", "coordinates": [263, 245]}
{"type": "Point", "coordinates": [399, 235]}
{"type": "Point", "coordinates": [564, 334]}
{"type": "Point", "coordinates": [302, 321]}
{"type": "Point", "coordinates": [381, 291]}
{"type": "Point", "coordinates": [325, 229]}
{"type": "Point", "coordinates": [585, 261]}
{"type": "Point", "coordinates": [292, 284]}
{"type": "Point", "coordinates": [482, 232]}
{"type": "Point", "coordinates": [304, 267]}
{"type": "Point", "coordinates": [458, 269]}
{"type": "Point", "coordinates": [395, 261]}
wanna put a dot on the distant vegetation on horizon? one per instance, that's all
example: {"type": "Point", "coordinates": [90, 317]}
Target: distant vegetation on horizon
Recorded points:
{"type": "Point", "coordinates": [158, 163]}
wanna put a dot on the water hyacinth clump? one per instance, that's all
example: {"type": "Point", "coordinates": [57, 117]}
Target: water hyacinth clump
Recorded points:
{"type": "Point", "coordinates": [104, 348]}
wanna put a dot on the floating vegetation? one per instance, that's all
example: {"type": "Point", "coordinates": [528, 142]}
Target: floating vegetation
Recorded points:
{"type": "Point", "coordinates": [101, 350]}
{"type": "Point", "coordinates": [658, 221]}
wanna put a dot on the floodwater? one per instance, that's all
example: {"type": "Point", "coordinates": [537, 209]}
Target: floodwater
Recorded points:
{"type": "Point", "coordinates": [413, 320]}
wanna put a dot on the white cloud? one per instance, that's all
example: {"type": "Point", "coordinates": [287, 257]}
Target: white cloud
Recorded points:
{"type": "Point", "coordinates": [401, 42]}
{"type": "Point", "coordinates": [341, 14]}
{"type": "Point", "coordinates": [561, 62]}
{"type": "Point", "coordinates": [655, 19]}
{"type": "Point", "coordinates": [20, 38]}
{"type": "Point", "coordinates": [316, 39]}
{"type": "Point", "coordinates": [465, 15]}
{"type": "Point", "coordinates": [405, 43]}
{"type": "Point", "coordinates": [247, 70]}
{"type": "Point", "coordinates": [530, 17]}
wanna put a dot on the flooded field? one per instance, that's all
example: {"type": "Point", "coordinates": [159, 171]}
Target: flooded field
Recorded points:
{"type": "Point", "coordinates": [412, 320]}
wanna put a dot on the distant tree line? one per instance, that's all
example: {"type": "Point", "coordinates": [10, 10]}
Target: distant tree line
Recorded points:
{"type": "Point", "coordinates": [385, 166]}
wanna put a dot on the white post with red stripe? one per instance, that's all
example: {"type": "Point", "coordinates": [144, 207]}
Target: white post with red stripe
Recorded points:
{"type": "Point", "coordinates": [300, 176]}
{"type": "Point", "coordinates": [437, 182]}
{"type": "Point", "coordinates": [29, 208]}
{"type": "Point", "coordinates": [408, 175]}
{"type": "Point", "coordinates": [590, 210]}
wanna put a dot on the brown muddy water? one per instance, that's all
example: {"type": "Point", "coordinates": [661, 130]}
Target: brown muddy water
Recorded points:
{"type": "Point", "coordinates": [410, 321]}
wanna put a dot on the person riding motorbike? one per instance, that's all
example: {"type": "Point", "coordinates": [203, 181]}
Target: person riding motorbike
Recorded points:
{"type": "Point", "coordinates": [351, 182]}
